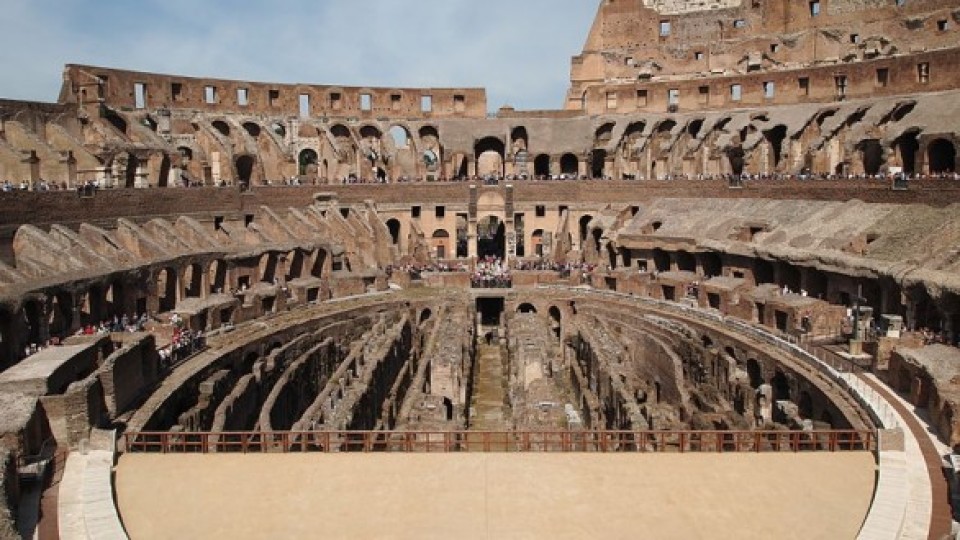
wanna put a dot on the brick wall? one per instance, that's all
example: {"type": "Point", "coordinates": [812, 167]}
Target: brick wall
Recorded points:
{"type": "Point", "coordinates": [127, 373]}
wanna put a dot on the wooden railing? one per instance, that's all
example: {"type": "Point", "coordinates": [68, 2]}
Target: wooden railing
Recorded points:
{"type": "Point", "coordinates": [502, 441]}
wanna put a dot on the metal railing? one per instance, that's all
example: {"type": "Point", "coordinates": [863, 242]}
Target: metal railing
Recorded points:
{"type": "Point", "coordinates": [682, 441]}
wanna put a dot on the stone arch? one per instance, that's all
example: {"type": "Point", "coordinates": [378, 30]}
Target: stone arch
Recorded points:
{"type": "Point", "coordinates": [425, 315]}
{"type": "Point", "coordinates": [307, 162]}
{"type": "Point", "coordinates": [604, 133]}
{"type": "Point", "coordinates": [526, 307]}
{"type": "Point", "coordinates": [536, 242]}
{"type": "Point", "coordinates": [490, 155]}
{"type": "Point", "coordinates": [319, 262]}
{"type": "Point", "coordinates": [491, 237]}
{"type": "Point", "coordinates": [252, 128]}
{"type": "Point", "coordinates": [117, 121]}
{"type": "Point", "coordinates": [541, 165]}
{"type": "Point", "coordinates": [556, 321]}
{"type": "Point", "coordinates": [775, 138]}
{"type": "Point", "coordinates": [166, 290]}
{"type": "Point", "coordinates": [393, 225]}
{"type": "Point", "coordinates": [941, 156]}
{"type": "Point", "coordinates": [193, 281]}
{"type": "Point", "coordinates": [60, 314]}
{"type": "Point", "coordinates": [584, 229]}
{"type": "Point", "coordinates": [569, 165]}
{"type": "Point", "coordinates": [781, 386]}
{"type": "Point", "coordinates": [401, 136]}
{"type": "Point", "coordinates": [872, 153]}
{"type": "Point", "coordinates": [222, 127]}
{"type": "Point", "coordinates": [33, 321]}
{"type": "Point", "coordinates": [441, 243]}
{"type": "Point", "coordinates": [267, 268]}
{"type": "Point", "coordinates": [661, 260]}
{"type": "Point", "coordinates": [217, 276]}
{"type": "Point", "coordinates": [598, 163]}
{"type": "Point", "coordinates": [906, 147]}
{"type": "Point", "coordinates": [755, 373]}
{"type": "Point", "coordinates": [245, 165]}
{"type": "Point", "coordinates": [296, 262]}
{"type": "Point", "coordinates": [686, 261]}
{"type": "Point", "coordinates": [763, 271]}
{"type": "Point", "coordinates": [164, 175]}
{"type": "Point", "coordinates": [712, 264]}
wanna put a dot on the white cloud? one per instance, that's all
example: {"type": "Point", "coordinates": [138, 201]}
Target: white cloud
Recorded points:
{"type": "Point", "coordinates": [519, 50]}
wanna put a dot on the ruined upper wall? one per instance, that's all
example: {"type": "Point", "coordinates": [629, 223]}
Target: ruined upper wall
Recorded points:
{"type": "Point", "coordinates": [132, 90]}
{"type": "Point", "coordinates": [676, 7]}
{"type": "Point", "coordinates": [637, 43]}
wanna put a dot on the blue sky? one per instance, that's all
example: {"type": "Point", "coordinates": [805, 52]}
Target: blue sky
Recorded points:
{"type": "Point", "coordinates": [518, 49]}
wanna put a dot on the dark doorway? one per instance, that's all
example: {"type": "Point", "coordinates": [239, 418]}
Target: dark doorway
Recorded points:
{"type": "Point", "coordinates": [491, 234]}
{"type": "Point", "coordinates": [872, 156]}
{"type": "Point", "coordinates": [245, 169]}
{"type": "Point", "coordinates": [394, 226]}
{"type": "Point", "coordinates": [541, 165]}
{"type": "Point", "coordinates": [907, 147]}
{"type": "Point", "coordinates": [490, 310]}
{"type": "Point", "coordinates": [942, 156]}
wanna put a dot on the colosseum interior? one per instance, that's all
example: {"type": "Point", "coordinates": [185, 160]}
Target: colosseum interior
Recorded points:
{"type": "Point", "coordinates": [729, 263]}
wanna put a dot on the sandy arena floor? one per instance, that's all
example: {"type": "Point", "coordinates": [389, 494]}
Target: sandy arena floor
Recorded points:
{"type": "Point", "coordinates": [495, 496]}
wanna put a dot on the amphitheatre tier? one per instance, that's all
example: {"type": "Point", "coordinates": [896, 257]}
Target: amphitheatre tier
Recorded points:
{"type": "Point", "coordinates": [742, 224]}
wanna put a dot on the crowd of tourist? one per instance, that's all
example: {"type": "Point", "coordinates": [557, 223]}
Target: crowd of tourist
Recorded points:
{"type": "Point", "coordinates": [184, 344]}
{"type": "Point", "coordinates": [491, 273]}
{"type": "Point", "coordinates": [492, 179]}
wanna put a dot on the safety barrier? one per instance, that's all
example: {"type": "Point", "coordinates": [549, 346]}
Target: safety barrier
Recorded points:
{"type": "Point", "coordinates": [502, 441]}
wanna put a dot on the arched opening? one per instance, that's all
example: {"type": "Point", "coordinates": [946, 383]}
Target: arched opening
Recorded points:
{"type": "Point", "coordinates": [526, 308]}
{"type": "Point", "coordinates": [942, 156]}
{"type": "Point", "coordinates": [584, 229]}
{"type": "Point", "coordinates": [425, 315]}
{"type": "Point", "coordinates": [32, 311]}
{"type": "Point", "coordinates": [712, 264]}
{"type": "Point", "coordinates": [221, 127]}
{"type": "Point", "coordinates": [872, 153]}
{"type": "Point", "coordinates": [490, 152]}
{"type": "Point", "coordinates": [307, 161]}
{"type": "Point", "coordinates": [268, 267]}
{"type": "Point", "coordinates": [400, 136]}
{"type": "Point", "coordinates": [775, 137]}
{"type": "Point", "coordinates": [295, 264]}
{"type": "Point", "coordinates": [60, 319]}
{"type": "Point", "coordinates": [252, 129]}
{"type": "Point", "coordinates": [781, 387]}
{"type": "Point", "coordinates": [604, 133]}
{"type": "Point", "coordinates": [536, 242]}
{"type": "Point", "coordinates": [907, 146]}
{"type": "Point", "coordinates": [115, 120]}
{"type": "Point", "coordinates": [319, 260]}
{"type": "Point", "coordinates": [735, 156]}
{"type": "Point", "coordinates": [661, 260]}
{"type": "Point", "coordinates": [755, 373]}
{"type": "Point", "coordinates": [541, 165]}
{"type": "Point", "coordinates": [596, 236]}
{"type": "Point", "coordinates": [598, 163]}
{"type": "Point", "coordinates": [245, 169]}
{"type": "Point", "coordinates": [555, 320]}
{"type": "Point", "coordinates": [790, 277]}
{"type": "Point", "coordinates": [217, 276]}
{"type": "Point", "coordinates": [686, 262]}
{"type": "Point", "coordinates": [491, 237]}
{"type": "Point", "coordinates": [393, 225]}
{"type": "Point", "coordinates": [441, 243]}
{"type": "Point", "coordinates": [167, 290]}
{"type": "Point", "coordinates": [763, 271]}
{"type": "Point", "coordinates": [164, 176]}
{"type": "Point", "coordinates": [612, 256]}
{"type": "Point", "coordinates": [193, 281]}
{"type": "Point", "coordinates": [569, 165]}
